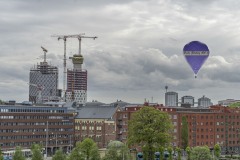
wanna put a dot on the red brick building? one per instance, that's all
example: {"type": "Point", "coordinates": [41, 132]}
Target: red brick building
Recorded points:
{"type": "Point", "coordinates": [206, 126]}
{"type": "Point", "coordinates": [96, 122]}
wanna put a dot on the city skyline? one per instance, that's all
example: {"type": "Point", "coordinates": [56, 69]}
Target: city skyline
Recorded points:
{"type": "Point", "coordinates": [138, 51]}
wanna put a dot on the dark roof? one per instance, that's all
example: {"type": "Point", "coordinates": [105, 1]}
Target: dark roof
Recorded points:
{"type": "Point", "coordinates": [95, 112]}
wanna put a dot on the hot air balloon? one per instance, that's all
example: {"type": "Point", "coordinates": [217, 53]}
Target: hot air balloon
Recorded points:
{"type": "Point", "coordinates": [196, 53]}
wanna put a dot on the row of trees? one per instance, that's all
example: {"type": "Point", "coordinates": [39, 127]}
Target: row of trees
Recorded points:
{"type": "Point", "coordinates": [85, 150]}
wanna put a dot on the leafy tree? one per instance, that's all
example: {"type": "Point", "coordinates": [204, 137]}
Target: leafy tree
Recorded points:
{"type": "Point", "coordinates": [200, 153]}
{"type": "Point", "coordinates": [59, 155]}
{"type": "Point", "coordinates": [188, 150]}
{"type": "Point", "coordinates": [89, 149]}
{"type": "Point", "coordinates": [170, 150]}
{"type": "Point", "coordinates": [179, 153]}
{"type": "Point", "coordinates": [161, 150]}
{"type": "Point", "coordinates": [111, 154]}
{"type": "Point", "coordinates": [217, 150]}
{"type": "Point", "coordinates": [235, 105]}
{"type": "Point", "coordinates": [76, 153]}
{"type": "Point", "coordinates": [125, 153]}
{"type": "Point", "coordinates": [1, 154]}
{"type": "Point", "coordinates": [150, 128]}
{"type": "Point", "coordinates": [36, 152]}
{"type": "Point", "coordinates": [184, 132]}
{"type": "Point", "coordinates": [18, 155]}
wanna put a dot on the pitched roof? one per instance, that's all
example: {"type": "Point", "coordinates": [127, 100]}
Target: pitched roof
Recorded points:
{"type": "Point", "coordinates": [96, 112]}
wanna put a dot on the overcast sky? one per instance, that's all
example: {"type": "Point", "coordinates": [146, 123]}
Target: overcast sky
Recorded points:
{"type": "Point", "coordinates": [138, 51]}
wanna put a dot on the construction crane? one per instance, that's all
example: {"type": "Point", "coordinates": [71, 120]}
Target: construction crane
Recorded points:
{"type": "Point", "coordinates": [45, 51]}
{"type": "Point", "coordinates": [64, 38]}
{"type": "Point", "coordinates": [40, 88]}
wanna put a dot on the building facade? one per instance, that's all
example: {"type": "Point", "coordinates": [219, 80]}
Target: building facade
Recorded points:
{"type": "Point", "coordinates": [187, 100]}
{"type": "Point", "coordinates": [96, 122]}
{"type": "Point", "coordinates": [171, 99]}
{"type": "Point", "coordinates": [43, 83]}
{"type": "Point", "coordinates": [204, 102]}
{"type": "Point", "coordinates": [206, 126]}
{"type": "Point", "coordinates": [20, 125]}
{"type": "Point", "coordinates": [77, 82]}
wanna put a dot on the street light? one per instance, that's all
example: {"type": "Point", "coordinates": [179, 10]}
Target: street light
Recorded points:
{"type": "Point", "coordinates": [46, 139]}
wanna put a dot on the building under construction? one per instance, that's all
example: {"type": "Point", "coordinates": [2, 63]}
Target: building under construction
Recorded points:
{"type": "Point", "coordinates": [77, 82]}
{"type": "Point", "coordinates": [43, 82]}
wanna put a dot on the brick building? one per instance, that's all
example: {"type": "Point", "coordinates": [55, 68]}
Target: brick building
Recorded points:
{"type": "Point", "coordinates": [96, 122]}
{"type": "Point", "coordinates": [206, 126]}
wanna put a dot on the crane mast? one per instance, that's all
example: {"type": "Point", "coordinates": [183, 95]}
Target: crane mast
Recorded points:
{"type": "Point", "coordinates": [64, 38]}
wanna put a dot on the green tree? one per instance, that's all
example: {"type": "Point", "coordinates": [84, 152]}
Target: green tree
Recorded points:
{"type": "Point", "coordinates": [200, 153]}
{"type": "Point", "coordinates": [1, 154]}
{"type": "Point", "coordinates": [76, 153]}
{"type": "Point", "coordinates": [184, 132]}
{"type": "Point", "coordinates": [170, 150]}
{"type": "Point", "coordinates": [179, 153]}
{"type": "Point", "coordinates": [217, 150]}
{"type": "Point", "coordinates": [36, 152]}
{"type": "Point", "coordinates": [188, 150]}
{"type": "Point", "coordinates": [161, 150]}
{"type": "Point", "coordinates": [59, 155]}
{"type": "Point", "coordinates": [125, 153]}
{"type": "Point", "coordinates": [89, 149]}
{"type": "Point", "coordinates": [150, 128]}
{"type": "Point", "coordinates": [18, 155]}
{"type": "Point", "coordinates": [111, 154]}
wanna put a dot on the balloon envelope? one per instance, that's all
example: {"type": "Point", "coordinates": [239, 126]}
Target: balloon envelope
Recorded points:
{"type": "Point", "coordinates": [196, 53]}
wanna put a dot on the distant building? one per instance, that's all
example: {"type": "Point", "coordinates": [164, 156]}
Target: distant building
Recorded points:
{"type": "Point", "coordinates": [227, 102]}
{"type": "Point", "coordinates": [171, 99]}
{"type": "Point", "coordinates": [187, 100]}
{"type": "Point", "coordinates": [77, 82]}
{"type": "Point", "coordinates": [204, 102]}
{"type": "Point", "coordinates": [43, 83]}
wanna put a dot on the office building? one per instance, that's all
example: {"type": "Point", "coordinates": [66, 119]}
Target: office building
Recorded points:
{"type": "Point", "coordinates": [187, 101]}
{"type": "Point", "coordinates": [171, 99]}
{"type": "Point", "coordinates": [204, 102]}
{"type": "Point", "coordinates": [43, 83]}
{"type": "Point", "coordinates": [24, 125]}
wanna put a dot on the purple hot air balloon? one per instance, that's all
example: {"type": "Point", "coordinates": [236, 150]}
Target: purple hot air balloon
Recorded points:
{"type": "Point", "coordinates": [196, 53]}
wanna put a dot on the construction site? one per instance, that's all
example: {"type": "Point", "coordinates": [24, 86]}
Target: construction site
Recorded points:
{"type": "Point", "coordinates": [43, 79]}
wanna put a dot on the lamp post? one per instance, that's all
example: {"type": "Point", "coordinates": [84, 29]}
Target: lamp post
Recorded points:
{"type": "Point", "coordinates": [46, 139]}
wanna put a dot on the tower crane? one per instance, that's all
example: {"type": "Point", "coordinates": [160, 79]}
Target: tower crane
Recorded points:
{"type": "Point", "coordinates": [45, 51]}
{"type": "Point", "coordinates": [64, 38]}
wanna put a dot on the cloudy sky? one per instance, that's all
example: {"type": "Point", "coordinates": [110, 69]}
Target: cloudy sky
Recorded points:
{"type": "Point", "coordinates": [138, 50]}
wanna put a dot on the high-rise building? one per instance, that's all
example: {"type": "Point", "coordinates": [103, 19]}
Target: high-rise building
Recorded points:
{"type": "Point", "coordinates": [77, 82]}
{"type": "Point", "coordinates": [187, 100]}
{"type": "Point", "coordinates": [204, 102]}
{"type": "Point", "coordinates": [171, 99]}
{"type": "Point", "coordinates": [43, 83]}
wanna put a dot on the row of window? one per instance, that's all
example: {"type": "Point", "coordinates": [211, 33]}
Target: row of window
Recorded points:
{"type": "Point", "coordinates": [34, 110]}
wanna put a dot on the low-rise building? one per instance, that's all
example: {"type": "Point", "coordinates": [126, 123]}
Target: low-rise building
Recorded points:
{"type": "Point", "coordinates": [96, 122]}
